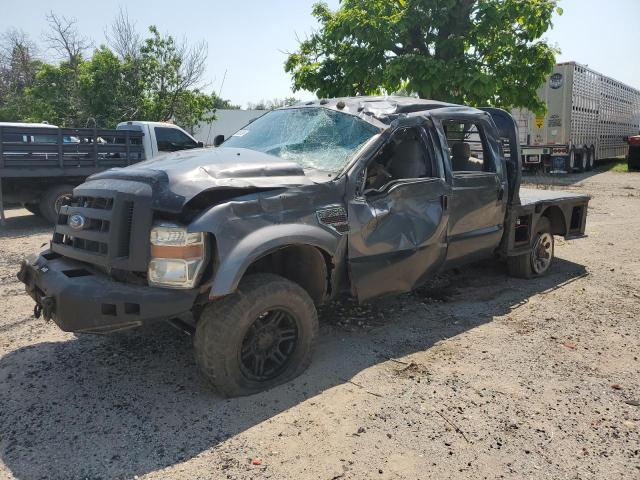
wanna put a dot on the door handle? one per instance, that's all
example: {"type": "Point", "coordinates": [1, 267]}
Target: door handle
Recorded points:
{"type": "Point", "coordinates": [380, 213]}
{"type": "Point", "coordinates": [445, 202]}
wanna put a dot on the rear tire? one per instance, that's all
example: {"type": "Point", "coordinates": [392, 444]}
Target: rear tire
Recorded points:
{"type": "Point", "coordinates": [261, 336]}
{"type": "Point", "coordinates": [590, 159]}
{"type": "Point", "coordinates": [52, 199]}
{"type": "Point", "coordinates": [537, 262]}
{"type": "Point", "coordinates": [570, 161]}
{"type": "Point", "coordinates": [582, 161]}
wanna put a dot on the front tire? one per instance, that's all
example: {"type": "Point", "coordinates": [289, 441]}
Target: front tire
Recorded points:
{"type": "Point", "coordinates": [261, 336]}
{"type": "Point", "coordinates": [537, 262]}
{"type": "Point", "coordinates": [53, 199]}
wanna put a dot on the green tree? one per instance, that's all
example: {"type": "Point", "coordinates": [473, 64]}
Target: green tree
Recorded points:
{"type": "Point", "coordinates": [221, 103]}
{"type": "Point", "coordinates": [18, 69]}
{"type": "Point", "coordinates": [111, 89]}
{"type": "Point", "coordinates": [154, 79]}
{"type": "Point", "coordinates": [478, 52]}
{"type": "Point", "coordinates": [54, 96]}
{"type": "Point", "coordinates": [272, 104]}
{"type": "Point", "coordinates": [171, 74]}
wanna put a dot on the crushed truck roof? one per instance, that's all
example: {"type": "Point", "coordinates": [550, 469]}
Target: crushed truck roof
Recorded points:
{"type": "Point", "coordinates": [385, 109]}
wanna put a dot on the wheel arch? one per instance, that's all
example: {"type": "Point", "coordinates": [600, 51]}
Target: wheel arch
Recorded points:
{"type": "Point", "coordinates": [306, 258]}
{"type": "Point", "coordinates": [303, 264]}
{"type": "Point", "coordinates": [556, 218]}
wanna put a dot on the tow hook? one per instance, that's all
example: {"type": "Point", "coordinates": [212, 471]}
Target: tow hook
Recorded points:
{"type": "Point", "coordinates": [44, 308]}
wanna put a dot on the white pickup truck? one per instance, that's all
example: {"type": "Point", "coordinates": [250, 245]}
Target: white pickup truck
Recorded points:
{"type": "Point", "coordinates": [40, 164]}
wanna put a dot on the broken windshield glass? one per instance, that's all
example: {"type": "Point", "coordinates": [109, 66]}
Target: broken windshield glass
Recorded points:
{"type": "Point", "coordinates": [313, 137]}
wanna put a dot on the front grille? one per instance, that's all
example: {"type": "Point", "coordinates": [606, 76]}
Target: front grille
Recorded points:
{"type": "Point", "coordinates": [99, 203]}
{"type": "Point", "coordinates": [106, 228]}
{"type": "Point", "coordinates": [127, 224]}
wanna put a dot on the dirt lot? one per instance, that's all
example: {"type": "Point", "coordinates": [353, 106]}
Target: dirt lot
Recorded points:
{"type": "Point", "coordinates": [477, 376]}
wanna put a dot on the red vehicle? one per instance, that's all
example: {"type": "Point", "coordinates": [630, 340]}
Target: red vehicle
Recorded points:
{"type": "Point", "coordinates": [633, 157]}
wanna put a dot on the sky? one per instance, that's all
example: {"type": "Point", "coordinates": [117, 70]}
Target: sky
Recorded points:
{"type": "Point", "coordinates": [249, 39]}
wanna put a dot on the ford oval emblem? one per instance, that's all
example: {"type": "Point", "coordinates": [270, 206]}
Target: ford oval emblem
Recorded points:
{"type": "Point", "coordinates": [77, 221]}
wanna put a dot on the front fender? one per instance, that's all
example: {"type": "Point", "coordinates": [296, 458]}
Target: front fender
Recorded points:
{"type": "Point", "coordinates": [261, 242]}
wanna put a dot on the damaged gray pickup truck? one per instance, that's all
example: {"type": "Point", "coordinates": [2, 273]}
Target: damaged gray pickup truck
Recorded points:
{"type": "Point", "coordinates": [239, 244]}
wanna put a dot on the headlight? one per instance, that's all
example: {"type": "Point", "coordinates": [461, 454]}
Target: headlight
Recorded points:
{"type": "Point", "coordinates": [178, 257]}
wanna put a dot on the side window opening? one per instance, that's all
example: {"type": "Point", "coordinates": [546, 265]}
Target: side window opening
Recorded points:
{"type": "Point", "coordinates": [171, 140]}
{"type": "Point", "coordinates": [403, 157]}
{"type": "Point", "coordinates": [467, 147]}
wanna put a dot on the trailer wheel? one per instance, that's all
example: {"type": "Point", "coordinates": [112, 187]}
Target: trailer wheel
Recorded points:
{"type": "Point", "coordinates": [570, 161]}
{"type": "Point", "coordinates": [258, 337]}
{"type": "Point", "coordinates": [582, 160]}
{"type": "Point", "coordinates": [537, 262]}
{"type": "Point", "coordinates": [53, 199]}
{"type": "Point", "coordinates": [590, 155]}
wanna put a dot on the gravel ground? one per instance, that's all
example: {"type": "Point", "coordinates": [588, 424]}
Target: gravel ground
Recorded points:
{"type": "Point", "coordinates": [477, 375]}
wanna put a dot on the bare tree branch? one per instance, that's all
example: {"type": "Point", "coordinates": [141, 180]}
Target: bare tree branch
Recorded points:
{"type": "Point", "coordinates": [123, 37]}
{"type": "Point", "coordinates": [65, 39]}
{"type": "Point", "coordinates": [14, 40]}
{"type": "Point", "coordinates": [17, 67]}
{"type": "Point", "coordinates": [193, 63]}
{"type": "Point", "coordinates": [190, 70]}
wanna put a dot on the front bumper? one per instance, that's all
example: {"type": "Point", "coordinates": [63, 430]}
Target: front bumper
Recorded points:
{"type": "Point", "coordinates": [81, 299]}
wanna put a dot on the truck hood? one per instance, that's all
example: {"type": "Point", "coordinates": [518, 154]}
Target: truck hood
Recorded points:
{"type": "Point", "coordinates": [178, 177]}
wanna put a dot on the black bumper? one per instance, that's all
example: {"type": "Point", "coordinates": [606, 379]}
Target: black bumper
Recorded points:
{"type": "Point", "coordinates": [80, 298]}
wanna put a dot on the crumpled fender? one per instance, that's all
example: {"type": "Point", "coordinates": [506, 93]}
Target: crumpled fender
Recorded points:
{"type": "Point", "coordinates": [244, 233]}
{"type": "Point", "coordinates": [262, 242]}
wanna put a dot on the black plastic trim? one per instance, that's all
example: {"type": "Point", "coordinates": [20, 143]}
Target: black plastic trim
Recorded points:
{"type": "Point", "coordinates": [96, 301]}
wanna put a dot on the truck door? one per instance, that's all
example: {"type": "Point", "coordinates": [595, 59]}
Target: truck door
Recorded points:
{"type": "Point", "coordinates": [399, 220]}
{"type": "Point", "coordinates": [479, 196]}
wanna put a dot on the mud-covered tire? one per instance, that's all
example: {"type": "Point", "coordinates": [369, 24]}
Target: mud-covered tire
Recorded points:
{"type": "Point", "coordinates": [50, 201]}
{"type": "Point", "coordinates": [225, 326]}
{"type": "Point", "coordinates": [523, 266]}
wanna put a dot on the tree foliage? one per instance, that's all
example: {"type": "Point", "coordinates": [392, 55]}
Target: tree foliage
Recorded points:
{"type": "Point", "coordinates": [478, 52]}
{"type": "Point", "coordinates": [153, 78]}
{"type": "Point", "coordinates": [18, 68]}
{"type": "Point", "coordinates": [272, 104]}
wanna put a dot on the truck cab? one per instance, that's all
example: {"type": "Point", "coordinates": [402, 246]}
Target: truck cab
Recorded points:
{"type": "Point", "coordinates": [238, 245]}
{"type": "Point", "coordinates": [159, 138]}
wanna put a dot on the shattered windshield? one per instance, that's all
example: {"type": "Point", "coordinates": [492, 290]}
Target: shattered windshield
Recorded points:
{"type": "Point", "coordinates": [313, 137]}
